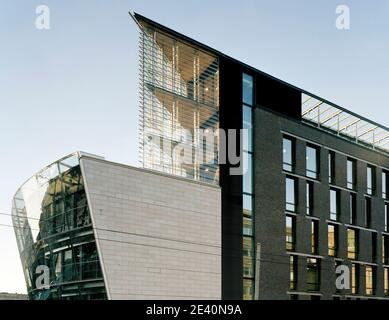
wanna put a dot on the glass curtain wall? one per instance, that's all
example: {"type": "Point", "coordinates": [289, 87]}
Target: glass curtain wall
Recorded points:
{"type": "Point", "coordinates": [248, 189]}
{"type": "Point", "coordinates": [179, 107]}
{"type": "Point", "coordinates": [54, 232]}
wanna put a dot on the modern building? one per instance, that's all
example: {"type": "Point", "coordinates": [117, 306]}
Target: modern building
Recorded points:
{"type": "Point", "coordinates": [251, 188]}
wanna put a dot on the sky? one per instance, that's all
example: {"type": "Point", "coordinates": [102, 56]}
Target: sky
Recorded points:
{"type": "Point", "coordinates": [75, 86]}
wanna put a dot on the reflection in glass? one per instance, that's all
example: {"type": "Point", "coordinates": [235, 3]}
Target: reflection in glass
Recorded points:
{"type": "Point", "coordinates": [247, 89]}
{"type": "Point", "coordinates": [293, 272]}
{"type": "Point", "coordinates": [351, 175]}
{"type": "Point", "coordinates": [370, 180]}
{"type": "Point", "coordinates": [331, 167]}
{"type": "Point", "coordinates": [370, 280]}
{"type": "Point", "coordinates": [313, 274]}
{"type": "Point", "coordinates": [332, 240]}
{"type": "Point", "coordinates": [290, 233]}
{"type": "Point", "coordinates": [334, 204]}
{"type": "Point", "coordinates": [312, 162]}
{"type": "Point", "coordinates": [352, 244]}
{"type": "Point", "coordinates": [248, 127]}
{"type": "Point", "coordinates": [247, 205]}
{"type": "Point", "coordinates": [309, 197]}
{"type": "Point", "coordinates": [53, 228]}
{"type": "Point", "coordinates": [248, 257]}
{"type": "Point", "coordinates": [248, 173]}
{"type": "Point", "coordinates": [288, 154]}
{"type": "Point", "coordinates": [290, 194]}
{"type": "Point", "coordinates": [386, 281]}
{"type": "Point", "coordinates": [353, 208]}
{"type": "Point", "coordinates": [384, 183]}
{"type": "Point", "coordinates": [354, 278]}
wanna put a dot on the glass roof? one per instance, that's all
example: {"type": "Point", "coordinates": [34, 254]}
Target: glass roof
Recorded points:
{"type": "Point", "coordinates": [344, 123]}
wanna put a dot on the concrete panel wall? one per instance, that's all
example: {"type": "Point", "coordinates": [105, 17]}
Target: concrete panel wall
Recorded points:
{"type": "Point", "coordinates": [159, 236]}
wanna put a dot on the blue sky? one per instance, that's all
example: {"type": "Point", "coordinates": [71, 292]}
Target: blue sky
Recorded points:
{"type": "Point", "coordinates": [74, 87]}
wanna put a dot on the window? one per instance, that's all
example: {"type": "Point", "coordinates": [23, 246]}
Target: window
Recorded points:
{"type": "Point", "coordinates": [293, 273]}
{"type": "Point", "coordinates": [368, 212]}
{"type": "Point", "coordinates": [248, 89]}
{"type": "Point", "coordinates": [291, 194]}
{"type": "Point", "coordinates": [354, 278]}
{"type": "Point", "coordinates": [247, 226]}
{"type": "Point", "coordinates": [353, 208]}
{"type": "Point", "coordinates": [332, 240]}
{"type": "Point", "coordinates": [331, 167]}
{"type": "Point", "coordinates": [248, 257]}
{"type": "Point", "coordinates": [334, 204]}
{"type": "Point", "coordinates": [386, 216]}
{"type": "Point", "coordinates": [248, 172]}
{"type": "Point", "coordinates": [370, 280]}
{"type": "Point", "coordinates": [290, 233]}
{"type": "Point", "coordinates": [385, 249]}
{"type": "Point", "coordinates": [247, 205]}
{"type": "Point", "coordinates": [312, 168]}
{"type": "Point", "coordinates": [309, 197]}
{"type": "Point", "coordinates": [314, 236]}
{"type": "Point", "coordinates": [370, 180]}
{"type": "Point", "coordinates": [288, 153]}
{"type": "Point", "coordinates": [352, 244]}
{"type": "Point", "coordinates": [313, 274]}
{"type": "Point", "coordinates": [351, 174]}
{"type": "Point", "coordinates": [373, 247]}
{"type": "Point", "coordinates": [384, 178]}
{"type": "Point", "coordinates": [248, 289]}
{"type": "Point", "coordinates": [248, 127]}
{"type": "Point", "coordinates": [386, 281]}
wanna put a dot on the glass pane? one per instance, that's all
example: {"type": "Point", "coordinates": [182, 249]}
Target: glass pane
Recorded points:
{"type": "Point", "coordinates": [289, 233]}
{"type": "Point", "coordinates": [287, 154]}
{"type": "Point", "coordinates": [247, 226]}
{"type": "Point", "coordinates": [311, 158]}
{"type": "Point", "coordinates": [247, 126]}
{"type": "Point", "coordinates": [248, 173]}
{"type": "Point", "coordinates": [350, 174]}
{"type": "Point", "coordinates": [333, 204]}
{"type": "Point", "coordinates": [290, 195]}
{"type": "Point", "coordinates": [247, 89]}
{"type": "Point", "coordinates": [247, 205]}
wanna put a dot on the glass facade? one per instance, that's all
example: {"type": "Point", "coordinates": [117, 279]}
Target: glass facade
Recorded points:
{"type": "Point", "coordinates": [179, 107]}
{"type": "Point", "coordinates": [248, 188]}
{"type": "Point", "coordinates": [54, 230]}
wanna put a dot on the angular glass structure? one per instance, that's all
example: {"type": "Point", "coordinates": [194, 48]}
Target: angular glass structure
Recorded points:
{"type": "Point", "coordinates": [179, 106]}
{"type": "Point", "coordinates": [53, 228]}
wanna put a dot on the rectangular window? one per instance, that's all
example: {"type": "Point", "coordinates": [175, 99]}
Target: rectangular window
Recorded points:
{"type": "Point", "coordinates": [385, 249]}
{"type": "Point", "coordinates": [248, 257]}
{"type": "Point", "coordinates": [248, 89]}
{"type": "Point", "coordinates": [334, 204]}
{"type": "Point", "coordinates": [386, 281]}
{"type": "Point", "coordinates": [248, 289]}
{"type": "Point", "coordinates": [293, 273]}
{"type": "Point", "coordinates": [370, 180]}
{"type": "Point", "coordinates": [309, 197]}
{"type": "Point", "coordinates": [374, 247]}
{"type": "Point", "coordinates": [314, 236]}
{"type": "Point", "coordinates": [331, 167]}
{"type": "Point", "coordinates": [248, 129]}
{"type": "Point", "coordinates": [351, 174]}
{"type": "Point", "coordinates": [370, 280]}
{"type": "Point", "coordinates": [291, 194]}
{"type": "Point", "coordinates": [354, 278]}
{"type": "Point", "coordinates": [247, 205]}
{"type": "Point", "coordinates": [353, 208]}
{"type": "Point", "coordinates": [313, 274]}
{"type": "Point", "coordinates": [332, 240]}
{"type": "Point", "coordinates": [312, 157]}
{"type": "Point", "coordinates": [352, 244]}
{"type": "Point", "coordinates": [247, 173]}
{"type": "Point", "coordinates": [290, 233]}
{"type": "Point", "coordinates": [384, 178]}
{"type": "Point", "coordinates": [288, 153]}
{"type": "Point", "coordinates": [247, 226]}
{"type": "Point", "coordinates": [368, 212]}
{"type": "Point", "coordinates": [386, 217]}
